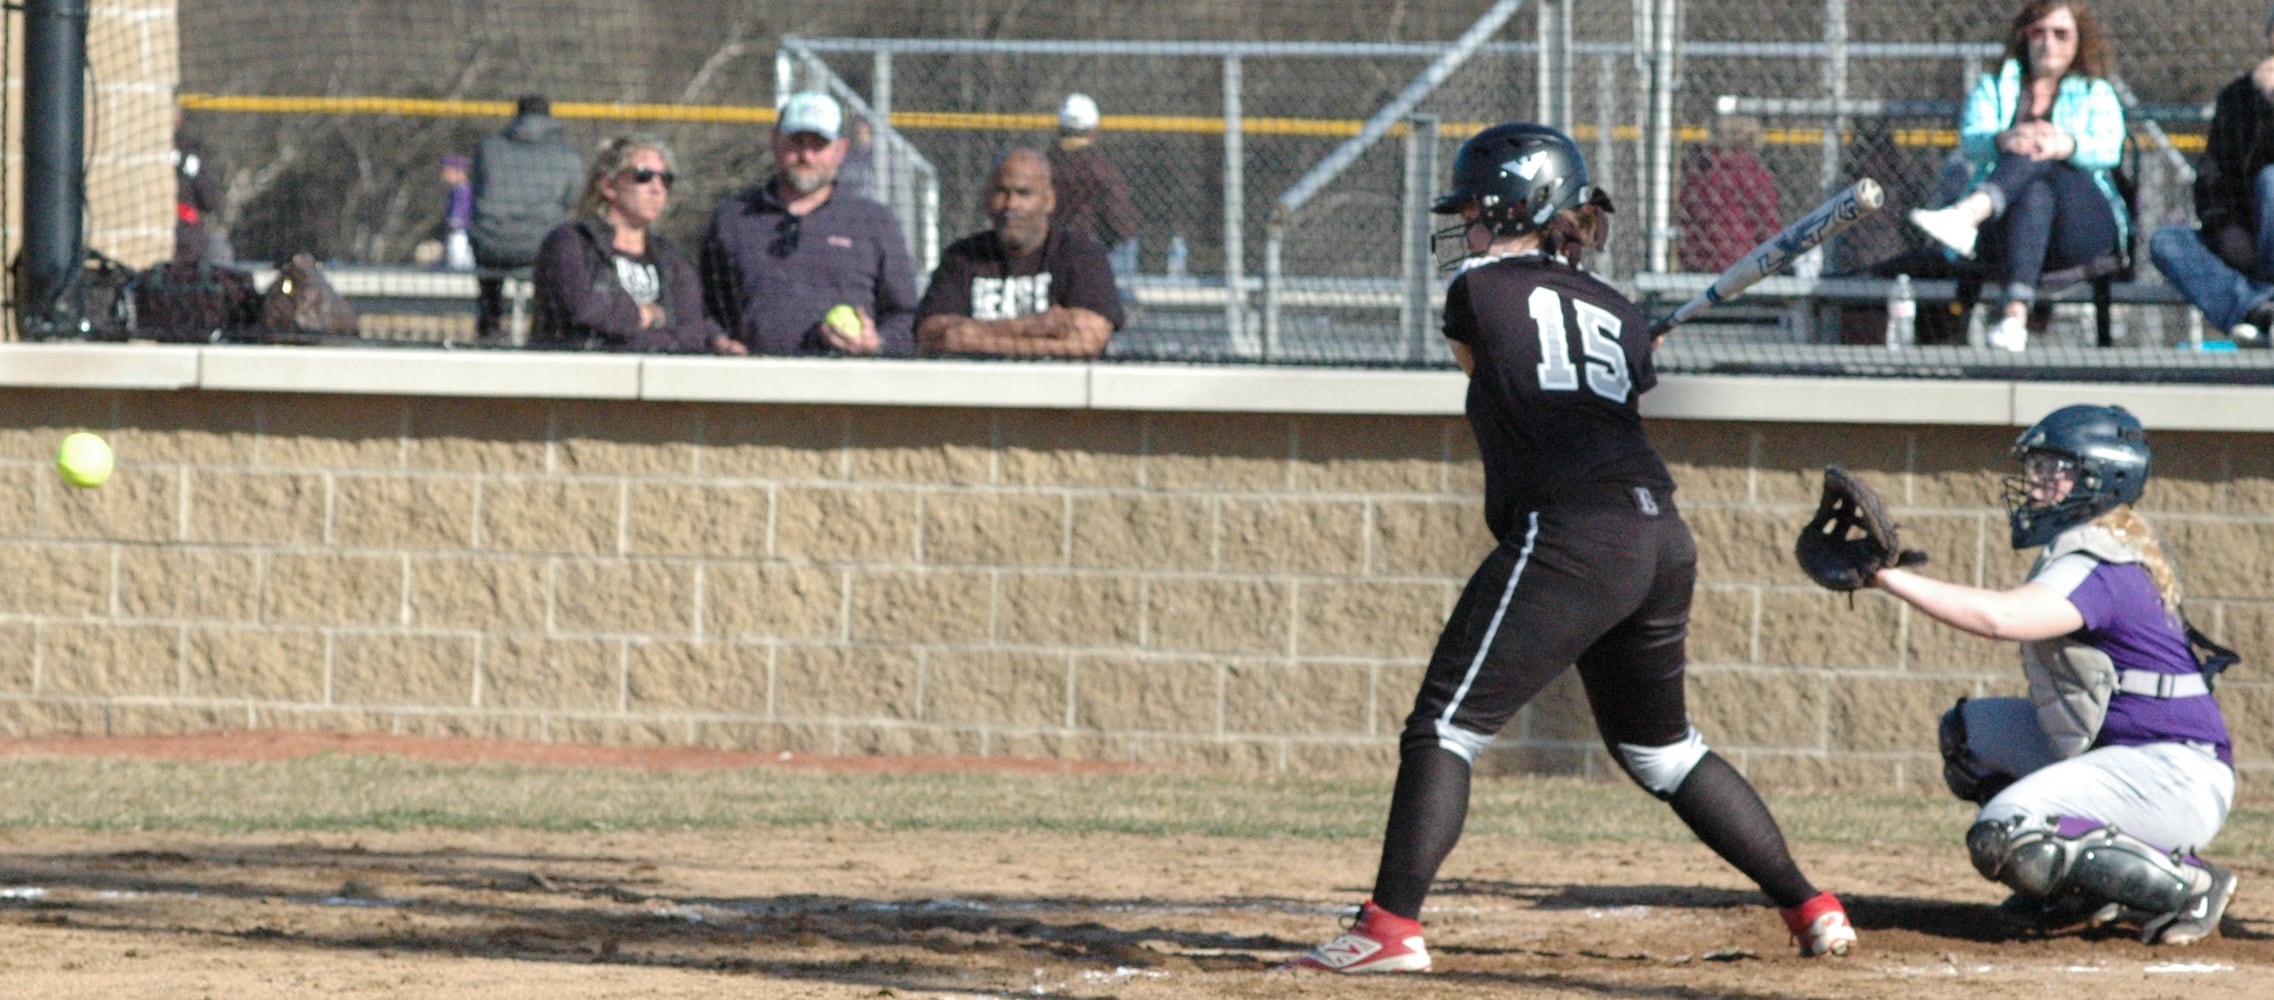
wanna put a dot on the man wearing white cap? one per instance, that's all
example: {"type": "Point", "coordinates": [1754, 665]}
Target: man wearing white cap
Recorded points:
{"type": "Point", "coordinates": [798, 267]}
{"type": "Point", "coordinates": [1093, 197]}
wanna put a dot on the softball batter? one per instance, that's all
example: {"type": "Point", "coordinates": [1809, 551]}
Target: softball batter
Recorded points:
{"type": "Point", "coordinates": [2099, 787]}
{"type": "Point", "coordinates": [1594, 566]}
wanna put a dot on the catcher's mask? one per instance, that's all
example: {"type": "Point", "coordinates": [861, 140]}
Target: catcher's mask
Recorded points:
{"type": "Point", "coordinates": [2103, 448]}
{"type": "Point", "coordinates": [1516, 176]}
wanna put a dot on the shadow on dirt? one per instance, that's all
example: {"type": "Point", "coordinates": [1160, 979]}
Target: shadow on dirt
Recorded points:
{"type": "Point", "coordinates": [1949, 920]}
{"type": "Point", "coordinates": [595, 909]}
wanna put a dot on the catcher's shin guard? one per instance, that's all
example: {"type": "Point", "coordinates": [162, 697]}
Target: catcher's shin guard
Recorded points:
{"type": "Point", "coordinates": [2100, 864]}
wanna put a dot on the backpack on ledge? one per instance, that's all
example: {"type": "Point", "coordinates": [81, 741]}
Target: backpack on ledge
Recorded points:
{"type": "Point", "coordinates": [194, 303]}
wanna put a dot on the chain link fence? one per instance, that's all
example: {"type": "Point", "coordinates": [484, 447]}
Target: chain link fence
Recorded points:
{"type": "Point", "coordinates": [1279, 183]}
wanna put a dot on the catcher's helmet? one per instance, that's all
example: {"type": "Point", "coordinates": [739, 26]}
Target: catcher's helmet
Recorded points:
{"type": "Point", "coordinates": [1518, 175]}
{"type": "Point", "coordinates": [2109, 451]}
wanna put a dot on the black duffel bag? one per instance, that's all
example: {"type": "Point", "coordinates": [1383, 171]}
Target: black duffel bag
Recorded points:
{"type": "Point", "coordinates": [194, 303]}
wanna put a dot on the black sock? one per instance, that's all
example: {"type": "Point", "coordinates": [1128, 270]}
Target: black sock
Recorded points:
{"type": "Point", "coordinates": [1721, 807]}
{"type": "Point", "coordinates": [1426, 814]}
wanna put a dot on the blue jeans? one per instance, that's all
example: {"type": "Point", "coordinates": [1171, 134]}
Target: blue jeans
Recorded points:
{"type": "Point", "coordinates": [2224, 294]}
{"type": "Point", "coordinates": [2046, 215]}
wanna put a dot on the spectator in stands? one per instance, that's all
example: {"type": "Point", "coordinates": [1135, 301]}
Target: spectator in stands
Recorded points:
{"type": "Point", "coordinates": [1093, 197]}
{"type": "Point", "coordinates": [457, 213]}
{"type": "Point", "coordinates": [2227, 267]}
{"type": "Point", "coordinates": [607, 280]}
{"type": "Point", "coordinates": [858, 174]}
{"type": "Point", "coordinates": [1729, 200]}
{"type": "Point", "coordinates": [1023, 287]}
{"type": "Point", "coordinates": [197, 202]}
{"type": "Point", "coordinates": [525, 183]}
{"type": "Point", "coordinates": [2044, 133]}
{"type": "Point", "coordinates": [779, 258]}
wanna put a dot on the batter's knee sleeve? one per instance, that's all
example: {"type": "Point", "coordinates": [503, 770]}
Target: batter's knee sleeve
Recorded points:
{"type": "Point", "coordinates": [1463, 743]}
{"type": "Point", "coordinates": [2102, 864]}
{"type": "Point", "coordinates": [1662, 769]}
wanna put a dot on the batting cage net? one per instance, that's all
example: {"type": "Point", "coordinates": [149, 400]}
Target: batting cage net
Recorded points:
{"type": "Point", "coordinates": [1279, 159]}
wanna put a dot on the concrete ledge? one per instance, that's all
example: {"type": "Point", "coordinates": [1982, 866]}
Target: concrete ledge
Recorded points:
{"type": "Point", "coordinates": [402, 372]}
{"type": "Point", "coordinates": [2159, 407]}
{"type": "Point", "coordinates": [1275, 390]}
{"type": "Point", "coordinates": [1079, 385]}
{"type": "Point", "coordinates": [99, 366]}
{"type": "Point", "coordinates": [1846, 400]}
{"type": "Point", "coordinates": [1055, 385]}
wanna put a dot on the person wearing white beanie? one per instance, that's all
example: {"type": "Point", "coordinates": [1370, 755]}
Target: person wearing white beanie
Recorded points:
{"type": "Point", "coordinates": [1093, 196]}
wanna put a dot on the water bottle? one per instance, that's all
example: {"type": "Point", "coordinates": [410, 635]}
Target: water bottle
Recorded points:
{"type": "Point", "coordinates": [1902, 315]}
{"type": "Point", "coordinates": [1809, 265]}
{"type": "Point", "coordinates": [1178, 252]}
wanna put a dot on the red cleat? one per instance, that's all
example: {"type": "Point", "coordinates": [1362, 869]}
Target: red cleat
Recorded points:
{"type": "Point", "coordinates": [1379, 941]}
{"type": "Point", "coordinates": [1821, 927]}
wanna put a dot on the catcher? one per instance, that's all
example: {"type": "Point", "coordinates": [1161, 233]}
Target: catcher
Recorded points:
{"type": "Point", "coordinates": [2099, 788]}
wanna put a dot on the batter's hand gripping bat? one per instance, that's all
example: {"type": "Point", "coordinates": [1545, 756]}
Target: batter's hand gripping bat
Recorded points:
{"type": "Point", "coordinates": [1828, 220]}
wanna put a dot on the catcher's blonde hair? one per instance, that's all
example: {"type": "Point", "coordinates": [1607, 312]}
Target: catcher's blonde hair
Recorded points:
{"type": "Point", "coordinates": [2132, 529]}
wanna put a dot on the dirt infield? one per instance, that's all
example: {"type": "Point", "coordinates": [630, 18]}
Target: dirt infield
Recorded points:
{"type": "Point", "coordinates": [859, 913]}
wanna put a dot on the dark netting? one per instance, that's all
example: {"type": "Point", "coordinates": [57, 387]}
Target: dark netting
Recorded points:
{"type": "Point", "coordinates": [324, 132]}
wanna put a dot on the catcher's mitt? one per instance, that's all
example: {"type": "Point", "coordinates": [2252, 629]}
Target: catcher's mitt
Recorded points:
{"type": "Point", "coordinates": [1851, 537]}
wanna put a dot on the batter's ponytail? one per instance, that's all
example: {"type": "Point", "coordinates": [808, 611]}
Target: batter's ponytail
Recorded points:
{"type": "Point", "coordinates": [1578, 229]}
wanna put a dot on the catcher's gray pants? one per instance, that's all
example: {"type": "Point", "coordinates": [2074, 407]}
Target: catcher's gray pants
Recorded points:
{"type": "Point", "coordinates": [2175, 796]}
{"type": "Point", "coordinates": [1607, 588]}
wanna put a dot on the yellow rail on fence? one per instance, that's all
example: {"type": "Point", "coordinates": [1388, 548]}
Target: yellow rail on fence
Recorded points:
{"type": "Point", "coordinates": [978, 121]}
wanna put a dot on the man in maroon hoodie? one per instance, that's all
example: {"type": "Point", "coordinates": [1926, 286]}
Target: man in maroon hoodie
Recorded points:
{"type": "Point", "coordinates": [1729, 200]}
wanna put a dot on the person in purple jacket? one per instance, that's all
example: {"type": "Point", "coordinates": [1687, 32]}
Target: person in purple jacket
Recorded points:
{"type": "Point", "coordinates": [457, 213]}
{"type": "Point", "coordinates": [606, 280]}
{"type": "Point", "coordinates": [2099, 788]}
{"type": "Point", "coordinates": [780, 258]}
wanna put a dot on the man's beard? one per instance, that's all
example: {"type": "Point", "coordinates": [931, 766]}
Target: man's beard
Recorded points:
{"type": "Point", "coordinates": [809, 182]}
{"type": "Point", "coordinates": [1021, 235]}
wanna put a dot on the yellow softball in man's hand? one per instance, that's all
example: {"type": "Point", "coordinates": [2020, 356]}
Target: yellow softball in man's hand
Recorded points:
{"type": "Point", "coordinates": [844, 320]}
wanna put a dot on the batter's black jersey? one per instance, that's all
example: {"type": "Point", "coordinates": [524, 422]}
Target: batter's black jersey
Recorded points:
{"type": "Point", "coordinates": [1562, 360]}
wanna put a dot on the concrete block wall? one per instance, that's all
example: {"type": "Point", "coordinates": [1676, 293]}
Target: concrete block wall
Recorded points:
{"type": "Point", "coordinates": [1249, 590]}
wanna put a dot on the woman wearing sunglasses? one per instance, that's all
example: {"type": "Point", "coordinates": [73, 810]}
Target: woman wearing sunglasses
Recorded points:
{"type": "Point", "coordinates": [606, 281]}
{"type": "Point", "coordinates": [2044, 135]}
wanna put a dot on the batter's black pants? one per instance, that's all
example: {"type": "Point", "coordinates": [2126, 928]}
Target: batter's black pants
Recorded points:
{"type": "Point", "coordinates": [1604, 588]}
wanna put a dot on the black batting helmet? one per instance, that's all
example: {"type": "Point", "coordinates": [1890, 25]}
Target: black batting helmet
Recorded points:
{"type": "Point", "coordinates": [2109, 451]}
{"type": "Point", "coordinates": [1518, 175]}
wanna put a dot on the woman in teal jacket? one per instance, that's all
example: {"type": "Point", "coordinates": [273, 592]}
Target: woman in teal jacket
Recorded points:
{"type": "Point", "coordinates": [2044, 134]}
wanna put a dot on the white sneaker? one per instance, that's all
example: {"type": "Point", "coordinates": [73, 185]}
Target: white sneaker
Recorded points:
{"type": "Point", "coordinates": [2245, 333]}
{"type": "Point", "coordinates": [1948, 227]}
{"type": "Point", "coordinates": [2010, 334]}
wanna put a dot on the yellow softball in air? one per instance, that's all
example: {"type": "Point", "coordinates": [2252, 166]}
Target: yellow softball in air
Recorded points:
{"type": "Point", "coordinates": [84, 459]}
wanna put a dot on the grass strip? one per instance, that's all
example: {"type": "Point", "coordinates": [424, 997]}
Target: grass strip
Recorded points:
{"type": "Point", "coordinates": [345, 792]}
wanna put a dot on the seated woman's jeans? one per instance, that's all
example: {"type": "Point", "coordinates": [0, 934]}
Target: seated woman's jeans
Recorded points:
{"type": "Point", "coordinates": [2046, 215]}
